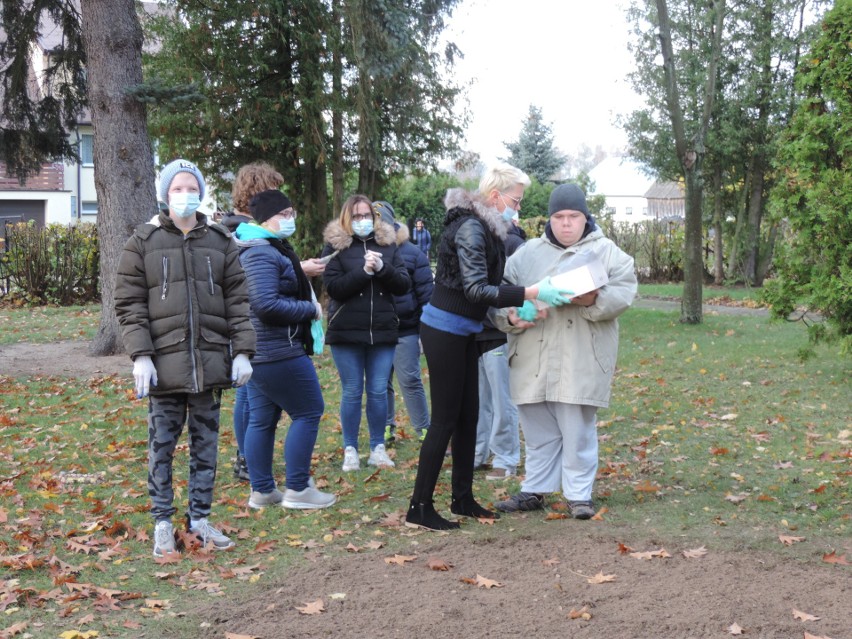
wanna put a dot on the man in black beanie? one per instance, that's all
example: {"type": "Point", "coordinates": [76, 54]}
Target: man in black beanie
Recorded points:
{"type": "Point", "coordinates": [563, 358]}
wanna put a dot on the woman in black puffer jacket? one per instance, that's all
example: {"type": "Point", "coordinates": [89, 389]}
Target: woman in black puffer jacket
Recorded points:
{"type": "Point", "coordinates": [361, 278]}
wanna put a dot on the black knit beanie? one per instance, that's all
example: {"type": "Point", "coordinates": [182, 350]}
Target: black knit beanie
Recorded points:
{"type": "Point", "coordinates": [568, 197]}
{"type": "Point", "coordinates": [267, 204]}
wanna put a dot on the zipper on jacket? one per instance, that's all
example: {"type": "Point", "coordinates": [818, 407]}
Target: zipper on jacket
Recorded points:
{"type": "Point", "coordinates": [210, 276]}
{"type": "Point", "coordinates": [371, 296]}
{"type": "Point", "coordinates": [192, 361]}
{"type": "Point", "coordinates": [165, 277]}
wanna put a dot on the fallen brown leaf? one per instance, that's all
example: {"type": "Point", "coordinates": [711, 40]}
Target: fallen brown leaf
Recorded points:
{"type": "Point", "coordinates": [551, 516]}
{"type": "Point", "coordinates": [550, 562]}
{"type": "Point", "coordinates": [810, 636]}
{"type": "Point", "coordinates": [803, 616]}
{"type": "Point", "coordinates": [695, 553]}
{"type": "Point", "coordinates": [400, 560]}
{"type": "Point", "coordinates": [624, 549]}
{"type": "Point", "coordinates": [598, 516]}
{"type": "Point", "coordinates": [651, 554]}
{"type": "Point", "coordinates": [312, 607]}
{"type": "Point", "coordinates": [646, 486]}
{"type": "Point", "coordinates": [582, 613]}
{"type": "Point", "coordinates": [438, 564]}
{"type": "Point", "coordinates": [833, 558]}
{"type": "Point", "coordinates": [600, 578]}
{"type": "Point", "coordinates": [735, 629]}
{"type": "Point", "coordinates": [486, 583]}
{"type": "Point", "coordinates": [233, 635]}
{"type": "Point", "coordinates": [789, 541]}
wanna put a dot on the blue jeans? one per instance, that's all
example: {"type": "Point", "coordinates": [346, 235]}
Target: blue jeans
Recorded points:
{"type": "Point", "coordinates": [355, 363]}
{"type": "Point", "coordinates": [289, 385]}
{"type": "Point", "coordinates": [497, 428]}
{"type": "Point", "coordinates": [406, 364]}
{"type": "Point", "coordinates": [241, 417]}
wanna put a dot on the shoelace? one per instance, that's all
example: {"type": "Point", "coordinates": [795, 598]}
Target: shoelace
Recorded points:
{"type": "Point", "coordinates": [206, 531]}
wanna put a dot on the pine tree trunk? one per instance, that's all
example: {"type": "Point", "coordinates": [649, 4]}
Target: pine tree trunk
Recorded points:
{"type": "Point", "coordinates": [124, 166]}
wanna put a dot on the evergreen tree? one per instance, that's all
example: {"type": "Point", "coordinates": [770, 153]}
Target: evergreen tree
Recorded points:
{"type": "Point", "coordinates": [814, 193]}
{"type": "Point", "coordinates": [98, 63]}
{"type": "Point", "coordinates": [533, 152]}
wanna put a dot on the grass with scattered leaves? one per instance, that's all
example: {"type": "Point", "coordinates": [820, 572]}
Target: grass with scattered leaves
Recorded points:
{"type": "Point", "coordinates": [715, 431]}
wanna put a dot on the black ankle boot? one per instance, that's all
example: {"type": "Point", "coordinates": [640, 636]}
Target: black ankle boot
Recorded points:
{"type": "Point", "coordinates": [469, 508]}
{"type": "Point", "coordinates": [241, 471]}
{"type": "Point", "coordinates": [424, 516]}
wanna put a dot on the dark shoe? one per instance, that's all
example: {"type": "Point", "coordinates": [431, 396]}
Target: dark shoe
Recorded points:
{"type": "Point", "coordinates": [424, 516]}
{"type": "Point", "coordinates": [522, 502]}
{"type": "Point", "coordinates": [469, 508]}
{"type": "Point", "coordinates": [581, 509]}
{"type": "Point", "coordinates": [241, 468]}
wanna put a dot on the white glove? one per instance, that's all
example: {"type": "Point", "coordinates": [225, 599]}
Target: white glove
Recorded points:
{"type": "Point", "coordinates": [241, 370]}
{"type": "Point", "coordinates": [378, 265]}
{"type": "Point", "coordinates": [145, 375]}
{"type": "Point", "coordinates": [318, 315]}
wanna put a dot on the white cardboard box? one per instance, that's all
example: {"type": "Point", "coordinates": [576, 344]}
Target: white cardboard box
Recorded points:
{"type": "Point", "coordinates": [582, 279]}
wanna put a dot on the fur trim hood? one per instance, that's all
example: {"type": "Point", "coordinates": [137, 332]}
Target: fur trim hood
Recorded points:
{"type": "Point", "coordinates": [402, 234]}
{"type": "Point", "coordinates": [337, 237]}
{"type": "Point", "coordinates": [471, 201]}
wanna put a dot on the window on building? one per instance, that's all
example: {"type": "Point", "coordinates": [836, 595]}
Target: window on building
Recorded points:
{"type": "Point", "coordinates": [645, 211]}
{"type": "Point", "coordinates": [86, 151]}
{"type": "Point", "coordinates": [90, 208]}
{"type": "Point", "coordinates": [610, 210]}
{"type": "Point", "coordinates": [628, 210]}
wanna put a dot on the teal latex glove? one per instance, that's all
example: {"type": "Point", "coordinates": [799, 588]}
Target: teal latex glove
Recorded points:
{"type": "Point", "coordinates": [528, 311]}
{"type": "Point", "coordinates": [319, 336]}
{"type": "Point", "coordinates": [551, 295]}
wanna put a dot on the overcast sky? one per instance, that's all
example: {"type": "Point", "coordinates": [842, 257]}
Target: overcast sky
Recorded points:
{"type": "Point", "coordinates": [568, 57]}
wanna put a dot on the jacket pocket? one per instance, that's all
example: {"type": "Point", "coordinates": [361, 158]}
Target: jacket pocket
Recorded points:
{"type": "Point", "coordinates": [167, 342]}
{"type": "Point", "coordinates": [213, 337]}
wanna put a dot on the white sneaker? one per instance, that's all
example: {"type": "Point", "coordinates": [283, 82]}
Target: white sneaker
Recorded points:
{"type": "Point", "coordinates": [350, 459]}
{"type": "Point", "coordinates": [207, 533]}
{"type": "Point", "coordinates": [308, 498]}
{"type": "Point", "coordinates": [164, 538]}
{"type": "Point", "coordinates": [379, 457]}
{"type": "Point", "coordinates": [258, 500]}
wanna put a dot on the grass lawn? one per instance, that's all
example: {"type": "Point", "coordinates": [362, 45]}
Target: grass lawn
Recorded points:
{"type": "Point", "coordinates": [740, 295]}
{"type": "Point", "coordinates": [717, 431]}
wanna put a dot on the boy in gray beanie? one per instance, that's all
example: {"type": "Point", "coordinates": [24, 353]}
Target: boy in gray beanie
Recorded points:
{"type": "Point", "coordinates": [563, 360]}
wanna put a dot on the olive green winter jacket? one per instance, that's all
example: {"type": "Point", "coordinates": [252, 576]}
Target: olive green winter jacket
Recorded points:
{"type": "Point", "coordinates": [182, 299]}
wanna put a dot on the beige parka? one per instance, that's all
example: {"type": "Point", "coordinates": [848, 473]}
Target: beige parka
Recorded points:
{"type": "Point", "coordinates": [570, 356]}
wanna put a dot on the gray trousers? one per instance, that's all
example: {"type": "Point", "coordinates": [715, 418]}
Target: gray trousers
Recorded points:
{"type": "Point", "coordinates": [166, 417]}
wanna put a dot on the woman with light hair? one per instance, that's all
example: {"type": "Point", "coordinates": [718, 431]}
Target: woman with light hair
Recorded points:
{"type": "Point", "coordinates": [471, 257]}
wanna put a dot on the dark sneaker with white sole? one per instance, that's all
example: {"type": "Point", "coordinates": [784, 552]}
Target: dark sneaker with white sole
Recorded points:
{"type": "Point", "coordinates": [581, 509]}
{"type": "Point", "coordinates": [522, 502]}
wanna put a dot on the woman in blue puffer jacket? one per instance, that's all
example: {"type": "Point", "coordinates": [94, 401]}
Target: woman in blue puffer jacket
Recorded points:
{"type": "Point", "coordinates": [281, 309]}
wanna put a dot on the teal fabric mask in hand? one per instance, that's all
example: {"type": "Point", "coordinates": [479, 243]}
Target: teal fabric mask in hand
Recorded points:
{"type": "Point", "coordinates": [319, 336]}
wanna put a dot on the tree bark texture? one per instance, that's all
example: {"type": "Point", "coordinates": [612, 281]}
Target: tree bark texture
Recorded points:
{"type": "Point", "coordinates": [124, 166]}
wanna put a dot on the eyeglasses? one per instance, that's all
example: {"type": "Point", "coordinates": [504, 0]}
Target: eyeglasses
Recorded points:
{"type": "Point", "coordinates": [516, 200]}
{"type": "Point", "coordinates": [289, 214]}
{"type": "Point", "coordinates": [360, 217]}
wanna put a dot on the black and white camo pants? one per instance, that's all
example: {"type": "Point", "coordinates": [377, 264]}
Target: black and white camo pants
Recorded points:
{"type": "Point", "coordinates": [166, 417]}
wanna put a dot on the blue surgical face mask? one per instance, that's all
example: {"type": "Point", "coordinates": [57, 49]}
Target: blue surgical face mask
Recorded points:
{"type": "Point", "coordinates": [508, 214]}
{"type": "Point", "coordinates": [286, 228]}
{"type": "Point", "coordinates": [184, 204]}
{"type": "Point", "coordinates": [362, 228]}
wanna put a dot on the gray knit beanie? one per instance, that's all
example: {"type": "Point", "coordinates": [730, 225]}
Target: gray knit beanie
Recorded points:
{"type": "Point", "coordinates": [386, 211]}
{"type": "Point", "coordinates": [568, 197]}
{"type": "Point", "coordinates": [172, 169]}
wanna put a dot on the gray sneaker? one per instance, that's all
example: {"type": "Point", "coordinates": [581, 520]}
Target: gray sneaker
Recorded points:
{"type": "Point", "coordinates": [308, 498]}
{"type": "Point", "coordinates": [164, 538]}
{"type": "Point", "coordinates": [522, 502]}
{"type": "Point", "coordinates": [208, 534]}
{"type": "Point", "coordinates": [260, 500]}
